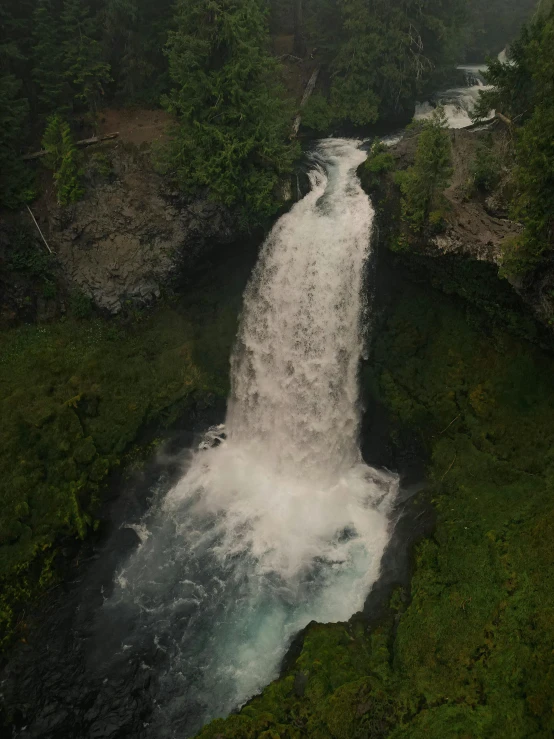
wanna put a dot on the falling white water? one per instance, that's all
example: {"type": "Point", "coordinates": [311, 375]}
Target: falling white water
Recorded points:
{"type": "Point", "coordinates": [458, 102]}
{"type": "Point", "coordinates": [295, 365]}
{"type": "Point", "coordinates": [281, 523]}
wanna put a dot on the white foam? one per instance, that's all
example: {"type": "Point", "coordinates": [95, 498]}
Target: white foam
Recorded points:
{"type": "Point", "coordinates": [458, 102]}
{"type": "Point", "coordinates": [281, 523]}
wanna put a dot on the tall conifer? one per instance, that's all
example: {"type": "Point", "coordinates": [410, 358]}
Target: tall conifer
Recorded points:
{"type": "Point", "coordinates": [84, 66]}
{"type": "Point", "coordinates": [234, 124]}
{"type": "Point", "coordinates": [48, 58]}
{"type": "Point", "coordinates": [15, 180]}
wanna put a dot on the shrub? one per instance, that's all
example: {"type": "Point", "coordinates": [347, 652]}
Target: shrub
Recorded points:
{"type": "Point", "coordinates": [26, 256]}
{"type": "Point", "coordinates": [100, 165]}
{"type": "Point", "coordinates": [80, 304]}
{"type": "Point", "coordinates": [63, 159]}
{"type": "Point", "coordinates": [317, 114]}
{"type": "Point", "coordinates": [379, 162]}
{"type": "Point", "coordinates": [485, 172]}
{"type": "Point", "coordinates": [423, 183]}
{"type": "Point", "coordinates": [437, 222]}
{"type": "Point", "coordinates": [380, 159]}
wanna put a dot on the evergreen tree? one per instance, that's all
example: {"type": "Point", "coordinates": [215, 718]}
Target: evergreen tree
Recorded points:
{"type": "Point", "coordinates": [234, 125]}
{"type": "Point", "coordinates": [523, 89]}
{"type": "Point", "coordinates": [82, 55]}
{"type": "Point", "coordinates": [62, 158]}
{"type": "Point", "coordinates": [423, 183]}
{"type": "Point", "coordinates": [16, 39]}
{"type": "Point", "coordinates": [381, 54]}
{"type": "Point", "coordinates": [15, 180]}
{"type": "Point", "coordinates": [48, 57]}
{"type": "Point", "coordinates": [513, 85]}
{"type": "Point", "coordinates": [534, 174]}
{"type": "Point", "coordinates": [135, 33]}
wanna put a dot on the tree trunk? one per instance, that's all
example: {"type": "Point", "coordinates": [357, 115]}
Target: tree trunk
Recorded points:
{"type": "Point", "coordinates": [504, 119]}
{"type": "Point", "coordinates": [305, 97]}
{"type": "Point", "coordinates": [83, 142]}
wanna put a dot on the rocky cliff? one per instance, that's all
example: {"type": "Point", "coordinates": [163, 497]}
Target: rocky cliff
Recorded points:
{"type": "Point", "coordinates": [132, 234]}
{"type": "Point", "coordinates": [477, 224]}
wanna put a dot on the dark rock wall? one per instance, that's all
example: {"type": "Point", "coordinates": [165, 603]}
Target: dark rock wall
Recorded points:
{"type": "Point", "coordinates": [131, 234]}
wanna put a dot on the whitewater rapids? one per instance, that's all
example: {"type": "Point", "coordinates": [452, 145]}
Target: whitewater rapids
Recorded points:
{"type": "Point", "coordinates": [459, 102]}
{"type": "Point", "coordinates": [277, 521]}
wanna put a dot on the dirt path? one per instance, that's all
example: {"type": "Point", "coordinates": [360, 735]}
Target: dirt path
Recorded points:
{"type": "Point", "coordinates": [136, 126]}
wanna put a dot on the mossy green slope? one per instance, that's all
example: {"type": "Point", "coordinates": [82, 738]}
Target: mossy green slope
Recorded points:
{"type": "Point", "coordinates": [470, 654]}
{"type": "Point", "coordinates": [75, 397]}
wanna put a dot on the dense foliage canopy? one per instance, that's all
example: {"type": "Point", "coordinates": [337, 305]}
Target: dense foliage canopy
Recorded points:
{"type": "Point", "coordinates": [380, 54]}
{"type": "Point", "coordinates": [523, 90]}
{"type": "Point", "coordinates": [233, 120]}
{"type": "Point", "coordinates": [212, 61]}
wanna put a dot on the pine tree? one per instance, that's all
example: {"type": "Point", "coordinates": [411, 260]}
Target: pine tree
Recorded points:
{"type": "Point", "coordinates": [234, 124]}
{"type": "Point", "coordinates": [381, 54]}
{"type": "Point", "coordinates": [423, 183]}
{"type": "Point", "coordinates": [62, 158]}
{"type": "Point", "coordinates": [135, 33]}
{"type": "Point", "coordinates": [534, 145]}
{"type": "Point", "coordinates": [48, 58]}
{"type": "Point", "coordinates": [84, 67]}
{"type": "Point", "coordinates": [15, 179]}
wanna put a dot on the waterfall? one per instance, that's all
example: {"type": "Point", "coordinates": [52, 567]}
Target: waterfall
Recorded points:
{"type": "Point", "coordinates": [281, 522]}
{"type": "Point", "coordinates": [458, 102]}
{"type": "Point", "coordinates": [294, 369]}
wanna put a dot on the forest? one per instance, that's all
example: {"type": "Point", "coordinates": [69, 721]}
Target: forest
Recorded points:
{"type": "Point", "coordinates": [456, 362]}
{"type": "Point", "coordinates": [456, 380]}
{"type": "Point", "coordinates": [62, 61]}
{"type": "Point", "coordinates": [524, 90]}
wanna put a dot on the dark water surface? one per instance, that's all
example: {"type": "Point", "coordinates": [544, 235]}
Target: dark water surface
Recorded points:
{"type": "Point", "coordinates": [71, 682]}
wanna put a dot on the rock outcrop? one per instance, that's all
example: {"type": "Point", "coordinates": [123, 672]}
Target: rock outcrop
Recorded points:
{"type": "Point", "coordinates": [132, 235]}
{"type": "Point", "coordinates": [477, 225]}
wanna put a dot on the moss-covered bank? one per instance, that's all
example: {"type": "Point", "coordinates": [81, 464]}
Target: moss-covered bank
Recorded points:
{"type": "Point", "coordinates": [76, 397]}
{"type": "Point", "coordinates": [468, 652]}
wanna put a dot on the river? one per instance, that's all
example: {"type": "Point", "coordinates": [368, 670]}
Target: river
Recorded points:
{"type": "Point", "coordinates": [459, 102]}
{"type": "Point", "coordinates": [273, 520]}
{"type": "Point", "coordinates": [280, 523]}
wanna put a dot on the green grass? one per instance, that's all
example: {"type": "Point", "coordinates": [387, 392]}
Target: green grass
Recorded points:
{"type": "Point", "coordinates": [470, 655]}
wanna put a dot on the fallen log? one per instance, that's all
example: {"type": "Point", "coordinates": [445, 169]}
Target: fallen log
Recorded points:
{"type": "Point", "coordinates": [290, 58]}
{"type": "Point", "coordinates": [503, 118]}
{"type": "Point", "coordinates": [83, 142]}
{"type": "Point", "coordinates": [305, 97]}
